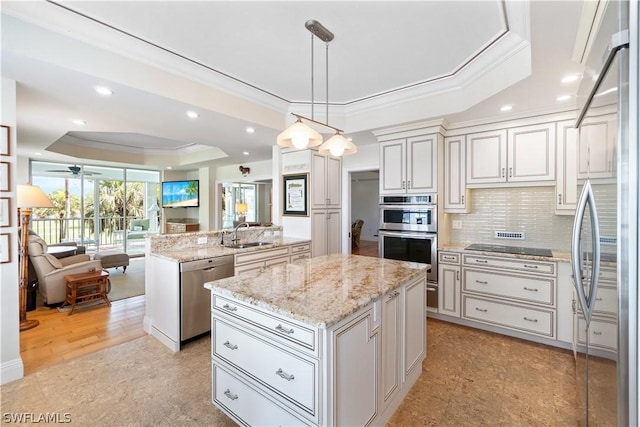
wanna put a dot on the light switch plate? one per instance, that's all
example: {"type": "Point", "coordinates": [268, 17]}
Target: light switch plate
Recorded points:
{"type": "Point", "coordinates": [202, 240]}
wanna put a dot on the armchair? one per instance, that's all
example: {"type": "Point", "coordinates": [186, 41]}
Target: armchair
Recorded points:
{"type": "Point", "coordinates": [51, 271]}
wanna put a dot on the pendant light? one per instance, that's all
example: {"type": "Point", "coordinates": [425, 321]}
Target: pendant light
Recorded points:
{"type": "Point", "coordinates": [299, 135]}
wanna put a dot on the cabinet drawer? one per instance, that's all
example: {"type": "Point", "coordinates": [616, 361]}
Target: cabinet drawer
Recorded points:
{"type": "Point", "coordinates": [247, 404]}
{"type": "Point", "coordinates": [526, 319]}
{"type": "Point", "coordinates": [287, 331]}
{"type": "Point", "coordinates": [285, 373]}
{"type": "Point", "coordinates": [539, 290]}
{"type": "Point", "coordinates": [603, 333]}
{"type": "Point", "coordinates": [298, 257]}
{"type": "Point", "coordinates": [606, 301]}
{"type": "Point", "coordinates": [448, 257]}
{"type": "Point", "coordinates": [306, 247]}
{"type": "Point", "coordinates": [261, 255]}
{"type": "Point", "coordinates": [539, 267]}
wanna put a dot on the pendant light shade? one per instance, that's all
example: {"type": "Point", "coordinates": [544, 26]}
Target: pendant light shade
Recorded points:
{"type": "Point", "coordinates": [337, 145]}
{"type": "Point", "coordinates": [300, 136]}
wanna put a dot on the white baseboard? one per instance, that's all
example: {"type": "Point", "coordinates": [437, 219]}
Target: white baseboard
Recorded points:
{"type": "Point", "coordinates": [11, 371]}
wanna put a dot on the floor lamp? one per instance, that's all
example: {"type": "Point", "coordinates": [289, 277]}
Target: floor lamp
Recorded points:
{"type": "Point", "coordinates": [29, 197]}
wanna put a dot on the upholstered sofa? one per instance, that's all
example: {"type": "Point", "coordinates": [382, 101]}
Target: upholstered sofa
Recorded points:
{"type": "Point", "coordinates": [51, 271]}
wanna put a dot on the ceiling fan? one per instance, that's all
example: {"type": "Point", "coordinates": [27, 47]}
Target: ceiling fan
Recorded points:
{"type": "Point", "coordinates": [75, 171]}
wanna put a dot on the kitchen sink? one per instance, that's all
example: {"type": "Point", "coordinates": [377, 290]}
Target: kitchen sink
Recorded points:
{"type": "Point", "coordinates": [249, 245]}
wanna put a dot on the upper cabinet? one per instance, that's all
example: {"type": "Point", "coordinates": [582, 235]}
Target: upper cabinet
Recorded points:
{"type": "Point", "coordinates": [523, 154]}
{"type": "Point", "coordinates": [409, 165]}
{"type": "Point", "coordinates": [596, 148]}
{"type": "Point", "coordinates": [456, 198]}
{"type": "Point", "coordinates": [567, 168]}
{"type": "Point", "coordinates": [326, 173]}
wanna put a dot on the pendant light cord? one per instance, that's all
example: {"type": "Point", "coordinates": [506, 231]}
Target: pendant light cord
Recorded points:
{"type": "Point", "coordinates": [312, 76]}
{"type": "Point", "coordinates": [327, 72]}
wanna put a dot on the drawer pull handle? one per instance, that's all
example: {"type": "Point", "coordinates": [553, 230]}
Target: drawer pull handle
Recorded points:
{"type": "Point", "coordinates": [229, 345]}
{"type": "Point", "coordinates": [530, 266]}
{"type": "Point", "coordinates": [284, 330]}
{"type": "Point", "coordinates": [598, 299]}
{"type": "Point", "coordinates": [283, 374]}
{"type": "Point", "coordinates": [530, 320]}
{"type": "Point", "coordinates": [228, 307]}
{"type": "Point", "coordinates": [230, 395]}
{"type": "Point", "coordinates": [597, 333]}
{"type": "Point", "coordinates": [482, 261]}
{"type": "Point", "coordinates": [481, 282]}
{"type": "Point", "coordinates": [449, 258]}
{"type": "Point", "coordinates": [484, 310]}
{"type": "Point", "coordinates": [531, 289]}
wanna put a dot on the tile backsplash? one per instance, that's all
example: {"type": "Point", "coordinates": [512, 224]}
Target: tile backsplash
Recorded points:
{"type": "Point", "coordinates": [529, 210]}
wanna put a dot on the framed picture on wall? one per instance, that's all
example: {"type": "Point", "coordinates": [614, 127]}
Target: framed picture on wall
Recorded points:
{"type": "Point", "coordinates": [5, 248]}
{"type": "Point", "coordinates": [295, 195]}
{"type": "Point", "coordinates": [4, 140]}
{"type": "Point", "coordinates": [5, 185]}
{"type": "Point", "coordinates": [5, 209]}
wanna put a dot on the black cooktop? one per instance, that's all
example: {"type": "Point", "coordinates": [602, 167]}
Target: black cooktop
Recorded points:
{"type": "Point", "coordinates": [519, 250]}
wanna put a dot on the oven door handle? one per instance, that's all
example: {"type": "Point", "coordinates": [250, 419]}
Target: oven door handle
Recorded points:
{"type": "Point", "coordinates": [419, 235]}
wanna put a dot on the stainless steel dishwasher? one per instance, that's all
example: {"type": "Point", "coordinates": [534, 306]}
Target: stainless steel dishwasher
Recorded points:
{"type": "Point", "coordinates": [195, 300]}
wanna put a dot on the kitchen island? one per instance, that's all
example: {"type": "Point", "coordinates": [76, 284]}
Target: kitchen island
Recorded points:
{"type": "Point", "coordinates": [332, 340]}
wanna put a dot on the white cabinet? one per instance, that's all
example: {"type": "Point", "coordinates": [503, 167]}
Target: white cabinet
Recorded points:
{"type": "Point", "coordinates": [567, 168]}
{"type": "Point", "coordinates": [403, 345]}
{"type": "Point", "coordinates": [487, 157]}
{"type": "Point", "coordinates": [510, 293]}
{"type": "Point", "coordinates": [449, 271]}
{"type": "Point", "coordinates": [325, 232]}
{"type": "Point", "coordinates": [531, 153]}
{"type": "Point", "coordinates": [596, 152]}
{"type": "Point", "coordinates": [256, 260]}
{"type": "Point", "coordinates": [325, 181]}
{"type": "Point", "coordinates": [353, 373]}
{"type": "Point", "coordinates": [524, 154]}
{"type": "Point", "coordinates": [456, 198]}
{"type": "Point", "coordinates": [409, 165]}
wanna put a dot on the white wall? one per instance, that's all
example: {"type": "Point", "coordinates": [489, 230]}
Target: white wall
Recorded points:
{"type": "Point", "coordinates": [11, 367]}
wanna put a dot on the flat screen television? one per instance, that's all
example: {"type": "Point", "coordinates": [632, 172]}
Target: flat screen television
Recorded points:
{"type": "Point", "coordinates": [181, 194]}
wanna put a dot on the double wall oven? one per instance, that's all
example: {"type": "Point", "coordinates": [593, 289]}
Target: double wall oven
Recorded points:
{"type": "Point", "coordinates": [409, 232]}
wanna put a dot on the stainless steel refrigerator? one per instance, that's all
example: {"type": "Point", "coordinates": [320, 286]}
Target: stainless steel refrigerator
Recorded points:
{"type": "Point", "coordinates": [605, 304]}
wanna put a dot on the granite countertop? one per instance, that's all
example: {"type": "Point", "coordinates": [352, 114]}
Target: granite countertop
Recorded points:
{"type": "Point", "coordinates": [320, 291]}
{"type": "Point", "coordinates": [196, 253]}
{"type": "Point", "coordinates": [557, 255]}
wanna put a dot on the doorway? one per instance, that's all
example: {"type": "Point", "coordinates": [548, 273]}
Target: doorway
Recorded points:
{"type": "Point", "coordinates": [364, 200]}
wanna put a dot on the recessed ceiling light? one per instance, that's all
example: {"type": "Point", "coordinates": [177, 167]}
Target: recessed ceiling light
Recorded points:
{"type": "Point", "coordinates": [193, 114]}
{"type": "Point", "coordinates": [246, 153]}
{"type": "Point", "coordinates": [169, 167]}
{"type": "Point", "coordinates": [506, 108]}
{"type": "Point", "coordinates": [570, 78]}
{"type": "Point", "coordinates": [103, 90]}
{"type": "Point", "coordinates": [250, 130]}
{"type": "Point", "coordinates": [563, 98]}
{"type": "Point", "coordinates": [38, 154]}
{"type": "Point", "coordinates": [79, 122]}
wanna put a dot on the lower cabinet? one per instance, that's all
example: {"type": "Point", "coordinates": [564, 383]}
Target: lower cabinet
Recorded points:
{"type": "Point", "coordinates": [449, 272]}
{"type": "Point", "coordinates": [325, 231]}
{"type": "Point", "coordinates": [268, 369]}
{"type": "Point", "coordinates": [256, 260]}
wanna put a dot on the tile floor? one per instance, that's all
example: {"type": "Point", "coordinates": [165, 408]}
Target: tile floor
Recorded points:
{"type": "Point", "coordinates": [470, 377]}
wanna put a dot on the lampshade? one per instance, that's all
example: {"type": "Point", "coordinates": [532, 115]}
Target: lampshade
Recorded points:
{"type": "Point", "coordinates": [337, 145]}
{"type": "Point", "coordinates": [242, 208]}
{"type": "Point", "coordinates": [32, 196]}
{"type": "Point", "coordinates": [299, 135]}
{"type": "Point", "coordinates": [154, 208]}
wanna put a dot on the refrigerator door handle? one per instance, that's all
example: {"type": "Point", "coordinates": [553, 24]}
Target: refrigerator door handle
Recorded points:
{"type": "Point", "coordinates": [586, 199]}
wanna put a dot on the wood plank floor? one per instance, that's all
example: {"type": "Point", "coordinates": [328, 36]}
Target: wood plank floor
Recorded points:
{"type": "Point", "coordinates": [61, 337]}
{"type": "Point", "coordinates": [367, 248]}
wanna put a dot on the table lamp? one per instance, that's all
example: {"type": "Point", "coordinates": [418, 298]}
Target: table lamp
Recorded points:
{"type": "Point", "coordinates": [29, 197]}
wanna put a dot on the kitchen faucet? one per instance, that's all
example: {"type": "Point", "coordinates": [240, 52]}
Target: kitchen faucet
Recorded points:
{"type": "Point", "coordinates": [235, 232]}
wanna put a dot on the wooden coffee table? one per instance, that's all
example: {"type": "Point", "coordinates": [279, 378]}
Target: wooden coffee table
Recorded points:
{"type": "Point", "coordinates": [86, 287]}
